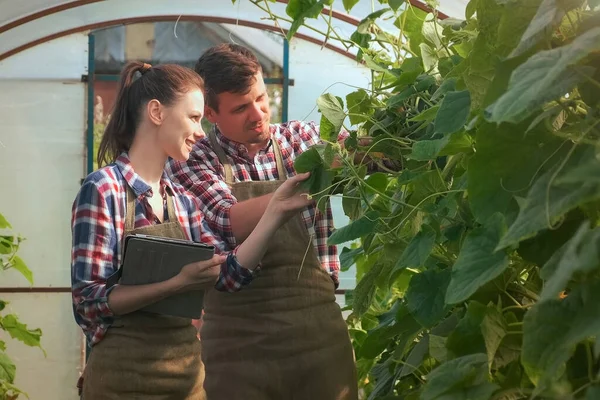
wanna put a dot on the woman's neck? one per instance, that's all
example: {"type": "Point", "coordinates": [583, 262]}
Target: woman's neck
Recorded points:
{"type": "Point", "coordinates": [147, 158]}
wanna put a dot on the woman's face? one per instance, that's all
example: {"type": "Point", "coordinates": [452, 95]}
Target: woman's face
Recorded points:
{"type": "Point", "coordinates": [181, 127]}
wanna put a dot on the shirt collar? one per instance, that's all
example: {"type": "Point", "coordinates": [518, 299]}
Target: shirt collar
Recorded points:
{"type": "Point", "coordinates": [234, 148]}
{"type": "Point", "coordinates": [135, 182]}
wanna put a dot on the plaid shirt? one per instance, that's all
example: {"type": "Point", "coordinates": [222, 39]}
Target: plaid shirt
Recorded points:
{"type": "Point", "coordinates": [98, 224]}
{"type": "Point", "coordinates": [203, 175]}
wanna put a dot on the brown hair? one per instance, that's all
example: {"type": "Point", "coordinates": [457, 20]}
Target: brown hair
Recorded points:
{"type": "Point", "coordinates": [227, 68]}
{"type": "Point", "coordinates": [140, 83]}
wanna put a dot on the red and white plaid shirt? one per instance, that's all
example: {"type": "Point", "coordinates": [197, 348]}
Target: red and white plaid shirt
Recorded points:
{"type": "Point", "coordinates": [204, 176]}
{"type": "Point", "coordinates": [98, 227]}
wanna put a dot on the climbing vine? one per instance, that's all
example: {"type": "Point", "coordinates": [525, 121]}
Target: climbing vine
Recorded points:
{"type": "Point", "coordinates": [477, 250]}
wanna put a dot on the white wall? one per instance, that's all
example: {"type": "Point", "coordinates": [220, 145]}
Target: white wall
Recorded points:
{"type": "Point", "coordinates": [42, 142]}
{"type": "Point", "coordinates": [317, 70]}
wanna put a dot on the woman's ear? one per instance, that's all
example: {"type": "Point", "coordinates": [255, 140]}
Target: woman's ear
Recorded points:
{"type": "Point", "coordinates": [155, 112]}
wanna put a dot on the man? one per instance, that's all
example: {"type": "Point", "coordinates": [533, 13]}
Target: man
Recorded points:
{"type": "Point", "coordinates": [282, 337]}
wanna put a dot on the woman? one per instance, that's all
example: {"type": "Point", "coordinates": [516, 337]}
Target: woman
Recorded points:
{"type": "Point", "coordinates": [136, 354]}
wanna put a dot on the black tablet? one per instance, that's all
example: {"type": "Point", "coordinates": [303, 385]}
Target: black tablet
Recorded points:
{"type": "Point", "coordinates": [151, 259]}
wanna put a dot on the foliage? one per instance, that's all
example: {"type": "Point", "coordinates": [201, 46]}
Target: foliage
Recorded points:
{"type": "Point", "coordinates": [9, 246]}
{"type": "Point", "coordinates": [478, 266]}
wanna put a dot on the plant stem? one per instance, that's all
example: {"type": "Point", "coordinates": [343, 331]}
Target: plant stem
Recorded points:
{"type": "Point", "coordinates": [275, 17]}
{"type": "Point", "coordinates": [519, 307]}
{"type": "Point", "coordinates": [523, 392]}
{"type": "Point", "coordinates": [590, 361]}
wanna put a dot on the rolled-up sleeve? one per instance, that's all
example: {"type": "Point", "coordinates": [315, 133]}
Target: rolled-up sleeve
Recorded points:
{"type": "Point", "coordinates": [233, 276]}
{"type": "Point", "coordinates": [215, 197]}
{"type": "Point", "coordinates": [92, 260]}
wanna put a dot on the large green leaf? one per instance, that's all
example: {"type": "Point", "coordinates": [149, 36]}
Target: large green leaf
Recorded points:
{"type": "Point", "coordinates": [359, 106]}
{"type": "Point", "coordinates": [7, 245]}
{"type": "Point", "coordinates": [425, 296]}
{"type": "Point", "coordinates": [578, 255]}
{"type": "Point", "coordinates": [20, 266]}
{"type": "Point", "coordinates": [4, 223]}
{"type": "Point", "coordinates": [546, 19]}
{"type": "Point", "coordinates": [397, 322]}
{"type": "Point", "coordinates": [19, 331]}
{"type": "Point", "coordinates": [355, 229]}
{"type": "Point", "coordinates": [593, 392]}
{"type": "Point", "coordinates": [426, 188]}
{"type": "Point", "coordinates": [493, 329]}
{"type": "Point", "coordinates": [453, 112]}
{"type": "Point", "coordinates": [516, 19]}
{"type": "Point", "coordinates": [573, 319]}
{"type": "Point", "coordinates": [545, 76]}
{"type": "Point", "coordinates": [347, 257]}
{"type": "Point", "coordinates": [548, 201]}
{"type": "Point", "coordinates": [478, 261]}
{"type": "Point", "coordinates": [492, 180]}
{"type": "Point", "coordinates": [432, 32]}
{"type": "Point", "coordinates": [427, 115]}
{"type": "Point", "coordinates": [425, 150]}
{"type": "Point", "coordinates": [479, 67]}
{"type": "Point", "coordinates": [365, 289]}
{"type": "Point", "coordinates": [299, 10]}
{"type": "Point", "coordinates": [7, 368]}
{"type": "Point", "coordinates": [317, 160]}
{"type": "Point", "coordinates": [415, 357]}
{"type": "Point", "coordinates": [437, 348]}
{"type": "Point", "coordinates": [541, 248]}
{"type": "Point", "coordinates": [349, 4]}
{"type": "Point", "coordinates": [395, 4]}
{"type": "Point", "coordinates": [411, 21]}
{"type": "Point", "coordinates": [418, 249]}
{"type": "Point", "coordinates": [467, 337]}
{"type": "Point", "coordinates": [333, 110]}
{"type": "Point", "coordinates": [462, 378]}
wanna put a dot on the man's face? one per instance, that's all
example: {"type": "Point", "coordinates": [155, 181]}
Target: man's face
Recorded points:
{"type": "Point", "coordinates": [244, 118]}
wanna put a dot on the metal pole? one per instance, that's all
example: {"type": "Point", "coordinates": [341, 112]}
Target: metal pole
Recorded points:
{"type": "Point", "coordinates": [286, 81]}
{"type": "Point", "coordinates": [90, 104]}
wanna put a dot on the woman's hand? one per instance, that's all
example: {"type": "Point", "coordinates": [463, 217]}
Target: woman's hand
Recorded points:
{"type": "Point", "coordinates": [201, 274]}
{"type": "Point", "coordinates": [288, 198]}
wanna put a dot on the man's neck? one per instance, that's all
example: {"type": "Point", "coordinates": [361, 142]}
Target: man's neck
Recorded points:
{"type": "Point", "coordinates": [253, 149]}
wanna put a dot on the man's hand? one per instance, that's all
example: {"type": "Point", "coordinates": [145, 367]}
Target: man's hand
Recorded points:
{"type": "Point", "coordinates": [289, 198]}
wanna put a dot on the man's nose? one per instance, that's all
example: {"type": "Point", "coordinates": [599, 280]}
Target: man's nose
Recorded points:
{"type": "Point", "coordinates": [256, 113]}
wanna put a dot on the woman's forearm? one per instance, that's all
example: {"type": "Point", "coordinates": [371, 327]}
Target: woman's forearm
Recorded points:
{"type": "Point", "coordinates": [124, 299]}
{"type": "Point", "coordinates": [252, 250]}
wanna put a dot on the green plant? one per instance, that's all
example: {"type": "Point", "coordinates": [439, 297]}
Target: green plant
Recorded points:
{"type": "Point", "coordinates": [478, 262]}
{"type": "Point", "coordinates": [9, 323]}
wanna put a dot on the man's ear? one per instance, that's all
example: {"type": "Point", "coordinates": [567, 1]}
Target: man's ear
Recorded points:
{"type": "Point", "coordinates": [155, 112]}
{"type": "Point", "coordinates": [210, 114]}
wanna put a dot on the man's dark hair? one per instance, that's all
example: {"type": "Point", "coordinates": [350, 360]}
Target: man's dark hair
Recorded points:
{"type": "Point", "coordinates": [227, 68]}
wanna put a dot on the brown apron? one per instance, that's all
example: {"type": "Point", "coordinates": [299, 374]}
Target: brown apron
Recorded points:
{"type": "Point", "coordinates": [143, 355]}
{"type": "Point", "coordinates": [283, 336]}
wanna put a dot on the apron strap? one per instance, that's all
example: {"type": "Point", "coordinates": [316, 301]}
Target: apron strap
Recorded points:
{"type": "Point", "coordinates": [281, 171]}
{"type": "Point", "coordinates": [172, 216]}
{"type": "Point", "coordinates": [130, 212]}
{"type": "Point", "coordinates": [218, 149]}
{"type": "Point", "coordinates": [222, 157]}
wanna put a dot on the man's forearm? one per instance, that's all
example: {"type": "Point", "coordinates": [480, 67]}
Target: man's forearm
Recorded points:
{"type": "Point", "coordinates": [244, 216]}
